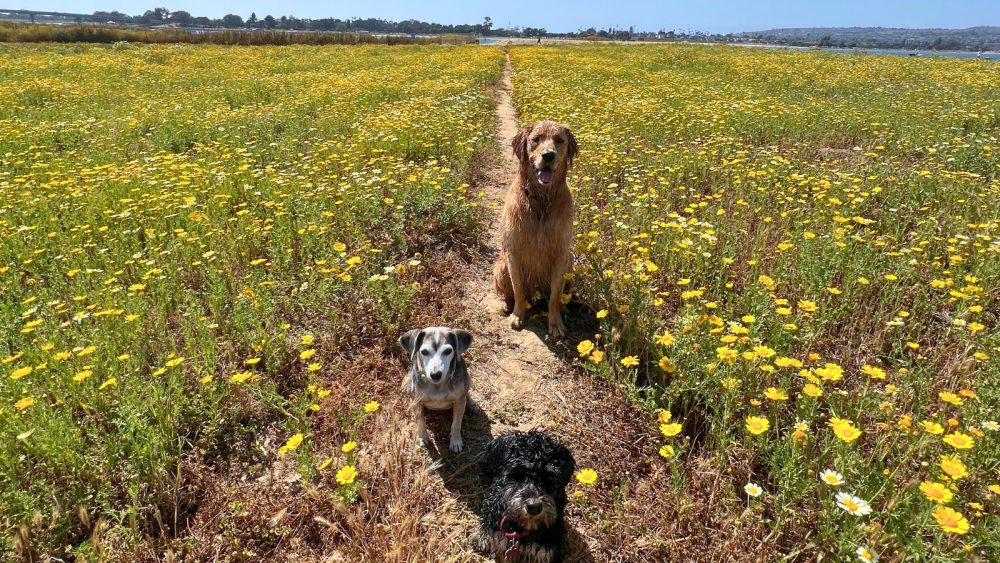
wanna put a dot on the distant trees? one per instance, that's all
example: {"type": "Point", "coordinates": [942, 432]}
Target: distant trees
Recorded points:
{"type": "Point", "coordinates": [161, 16]}
{"type": "Point", "coordinates": [232, 21]}
{"type": "Point", "coordinates": [181, 18]}
{"type": "Point", "coordinates": [157, 15]}
{"type": "Point", "coordinates": [940, 44]}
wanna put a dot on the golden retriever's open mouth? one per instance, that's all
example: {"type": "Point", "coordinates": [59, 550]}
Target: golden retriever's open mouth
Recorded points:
{"type": "Point", "coordinates": [544, 175]}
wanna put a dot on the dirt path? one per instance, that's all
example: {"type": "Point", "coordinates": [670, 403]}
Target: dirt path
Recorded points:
{"type": "Point", "coordinates": [522, 357]}
{"type": "Point", "coordinates": [523, 381]}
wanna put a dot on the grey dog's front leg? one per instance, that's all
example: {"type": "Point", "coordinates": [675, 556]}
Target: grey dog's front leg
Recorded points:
{"type": "Point", "coordinates": [458, 411]}
{"type": "Point", "coordinates": [418, 414]}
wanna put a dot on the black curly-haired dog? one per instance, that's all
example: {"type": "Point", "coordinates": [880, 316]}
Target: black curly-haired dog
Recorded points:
{"type": "Point", "coordinates": [522, 517]}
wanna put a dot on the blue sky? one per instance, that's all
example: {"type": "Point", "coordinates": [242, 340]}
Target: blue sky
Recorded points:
{"type": "Point", "coordinates": [721, 16]}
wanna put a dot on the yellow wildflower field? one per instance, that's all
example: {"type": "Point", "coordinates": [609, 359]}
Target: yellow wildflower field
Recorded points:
{"type": "Point", "coordinates": [797, 255]}
{"type": "Point", "coordinates": [178, 223]}
{"type": "Point", "coordinates": [789, 259]}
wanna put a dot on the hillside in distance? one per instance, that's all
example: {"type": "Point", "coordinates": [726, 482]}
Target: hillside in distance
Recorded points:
{"type": "Point", "coordinates": [969, 39]}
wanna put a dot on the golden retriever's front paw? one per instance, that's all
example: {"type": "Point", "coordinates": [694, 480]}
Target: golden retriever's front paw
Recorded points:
{"type": "Point", "coordinates": [518, 318]}
{"type": "Point", "coordinates": [556, 327]}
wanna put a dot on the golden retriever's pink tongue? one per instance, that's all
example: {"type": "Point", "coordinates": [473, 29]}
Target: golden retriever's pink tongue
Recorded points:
{"type": "Point", "coordinates": [545, 175]}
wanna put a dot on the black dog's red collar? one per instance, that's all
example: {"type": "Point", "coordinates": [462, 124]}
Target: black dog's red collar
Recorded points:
{"type": "Point", "coordinates": [515, 545]}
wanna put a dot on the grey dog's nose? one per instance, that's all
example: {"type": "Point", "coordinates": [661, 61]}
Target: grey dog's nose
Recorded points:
{"type": "Point", "coordinates": [534, 508]}
{"type": "Point", "coordinates": [435, 375]}
{"type": "Point", "coordinates": [549, 156]}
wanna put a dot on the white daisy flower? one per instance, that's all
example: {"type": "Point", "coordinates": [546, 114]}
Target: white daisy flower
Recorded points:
{"type": "Point", "coordinates": [867, 555]}
{"type": "Point", "coordinates": [852, 504]}
{"type": "Point", "coordinates": [753, 489]}
{"type": "Point", "coordinates": [991, 425]}
{"type": "Point", "coordinates": [831, 477]}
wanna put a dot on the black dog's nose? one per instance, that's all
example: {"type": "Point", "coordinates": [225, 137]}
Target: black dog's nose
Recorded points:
{"type": "Point", "coordinates": [435, 375]}
{"type": "Point", "coordinates": [549, 156]}
{"type": "Point", "coordinates": [533, 508]}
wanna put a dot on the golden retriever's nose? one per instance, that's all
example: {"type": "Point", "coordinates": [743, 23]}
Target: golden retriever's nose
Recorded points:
{"type": "Point", "coordinates": [549, 156]}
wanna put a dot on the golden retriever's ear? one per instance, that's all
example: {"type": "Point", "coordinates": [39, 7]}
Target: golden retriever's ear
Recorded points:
{"type": "Point", "coordinates": [572, 150]}
{"type": "Point", "coordinates": [520, 143]}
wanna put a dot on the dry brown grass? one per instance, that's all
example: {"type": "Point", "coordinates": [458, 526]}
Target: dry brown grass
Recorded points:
{"type": "Point", "coordinates": [418, 505]}
{"type": "Point", "coordinates": [240, 511]}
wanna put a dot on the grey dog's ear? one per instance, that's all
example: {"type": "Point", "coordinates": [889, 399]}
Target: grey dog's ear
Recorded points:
{"type": "Point", "coordinates": [463, 340]}
{"type": "Point", "coordinates": [409, 341]}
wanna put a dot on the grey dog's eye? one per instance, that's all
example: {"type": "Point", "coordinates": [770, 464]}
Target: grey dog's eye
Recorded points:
{"type": "Point", "coordinates": [425, 352]}
{"type": "Point", "coordinates": [446, 350]}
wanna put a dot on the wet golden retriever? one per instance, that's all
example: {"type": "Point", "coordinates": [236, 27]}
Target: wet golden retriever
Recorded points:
{"type": "Point", "coordinates": [536, 227]}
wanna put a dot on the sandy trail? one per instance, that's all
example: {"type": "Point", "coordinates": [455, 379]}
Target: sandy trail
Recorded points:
{"type": "Point", "coordinates": [522, 380]}
{"type": "Point", "coordinates": [523, 356]}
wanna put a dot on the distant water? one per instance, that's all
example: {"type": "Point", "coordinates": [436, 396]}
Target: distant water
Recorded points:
{"type": "Point", "coordinates": [896, 52]}
{"type": "Point", "coordinates": [899, 52]}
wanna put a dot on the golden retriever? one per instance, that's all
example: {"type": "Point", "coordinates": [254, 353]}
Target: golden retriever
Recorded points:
{"type": "Point", "coordinates": [536, 227]}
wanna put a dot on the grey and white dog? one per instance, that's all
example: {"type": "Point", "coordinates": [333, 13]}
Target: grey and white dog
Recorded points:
{"type": "Point", "coordinates": [438, 378]}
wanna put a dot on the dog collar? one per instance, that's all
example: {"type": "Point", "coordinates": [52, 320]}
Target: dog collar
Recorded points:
{"type": "Point", "coordinates": [542, 200]}
{"type": "Point", "coordinates": [515, 545]}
